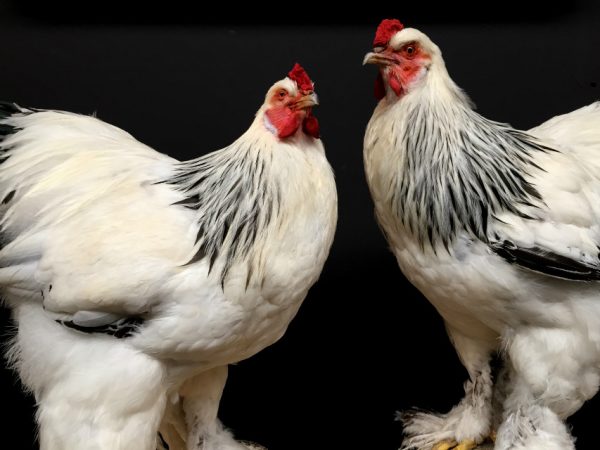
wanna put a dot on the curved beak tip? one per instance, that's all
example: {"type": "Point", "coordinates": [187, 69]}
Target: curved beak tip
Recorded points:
{"type": "Point", "coordinates": [315, 99]}
{"type": "Point", "coordinates": [368, 59]}
{"type": "Point", "coordinates": [379, 58]}
{"type": "Point", "coordinates": [307, 101]}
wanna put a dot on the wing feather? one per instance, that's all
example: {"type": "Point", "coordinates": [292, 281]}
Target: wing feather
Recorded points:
{"type": "Point", "coordinates": [86, 227]}
{"type": "Point", "coordinates": [563, 236]}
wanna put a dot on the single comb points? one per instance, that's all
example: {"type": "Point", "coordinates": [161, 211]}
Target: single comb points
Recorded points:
{"type": "Point", "coordinates": [386, 29]}
{"type": "Point", "coordinates": [299, 75]}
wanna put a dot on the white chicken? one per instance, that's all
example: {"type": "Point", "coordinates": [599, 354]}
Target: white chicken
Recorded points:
{"type": "Point", "coordinates": [500, 230]}
{"type": "Point", "coordinates": [135, 279]}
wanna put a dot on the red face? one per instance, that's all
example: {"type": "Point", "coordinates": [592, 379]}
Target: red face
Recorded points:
{"type": "Point", "coordinates": [287, 112]}
{"type": "Point", "coordinates": [400, 68]}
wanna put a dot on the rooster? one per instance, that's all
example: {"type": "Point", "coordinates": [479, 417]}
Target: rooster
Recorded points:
{"type": "Point", "coordinates": [135, 279]}
{"type": "Point", "coordinates": [500, 229]}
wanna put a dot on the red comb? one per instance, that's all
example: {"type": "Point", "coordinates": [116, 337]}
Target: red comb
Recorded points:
{"type": "Point", "coordinates": [386, 29]}
{"type": "Point", "coordinates": [299, 75]}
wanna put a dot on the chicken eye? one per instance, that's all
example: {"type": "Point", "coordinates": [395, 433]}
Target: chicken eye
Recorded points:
{"type": "Point", "coordinates": [410, 50]}
{"type": "Point", "coordinates": [280, 96]}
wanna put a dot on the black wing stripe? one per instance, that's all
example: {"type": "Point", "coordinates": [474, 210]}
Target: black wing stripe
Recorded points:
{"type": "Point", "coordinates": [122, 328]}
{"type": "Point", "coordinates": [546, 262]}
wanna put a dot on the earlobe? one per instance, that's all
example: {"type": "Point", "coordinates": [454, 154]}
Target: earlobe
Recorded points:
{"type": "Point", "coordinates": [268, 125]}
{"type": "Point", "coordinates": [284, 121]}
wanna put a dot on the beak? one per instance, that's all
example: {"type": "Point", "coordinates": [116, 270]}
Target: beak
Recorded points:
{"type": "Point", "coordinates": [380, 59]}
{"type": "Point", "coordinates": [307, 101]}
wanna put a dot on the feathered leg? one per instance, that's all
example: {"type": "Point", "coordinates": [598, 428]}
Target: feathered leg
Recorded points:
{"type": "Point", "coordinates": [469, 422]}
{"type": "Point", "coordinates": [529, 425]}
{"type": "Point", "coordinates": [201, 396]}
{"type": "Point", "coordinates": [173, 429]}
{"type": "Point", "coordinates": [94, 392]}
{"type": "Point", "coordinates": [553, 371]}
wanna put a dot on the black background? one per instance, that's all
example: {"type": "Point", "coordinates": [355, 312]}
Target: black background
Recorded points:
{"type": "Point", "coordinates": [365, 343]}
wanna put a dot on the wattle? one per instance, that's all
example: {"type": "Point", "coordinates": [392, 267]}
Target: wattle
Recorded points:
{"type": "Point", "coordinates": [311, 126]}
{"type": "Point", "coordinates": [395, 84]}
{"type": "Point", "coordinates": [379, 87]}
{"type": "Point", "coordinates": [286, 122]}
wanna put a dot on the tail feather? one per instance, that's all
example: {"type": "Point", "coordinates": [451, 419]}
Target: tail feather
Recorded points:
{"type": "Point", "coordinates": [6, 130]}
{"type": "Point", "coordinates": [8, 109]}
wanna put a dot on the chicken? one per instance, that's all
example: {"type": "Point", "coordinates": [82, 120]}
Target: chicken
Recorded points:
{"type": "Point", "coordinates": [135, 279]}
{"type": "Point", "coordinates": [500, 230]}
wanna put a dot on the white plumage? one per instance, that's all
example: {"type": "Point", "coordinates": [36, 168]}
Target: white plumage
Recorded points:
{"type": "Point", "coordinates": [500, 230]}
{"type": "Point", "coordinates": [135, 279]}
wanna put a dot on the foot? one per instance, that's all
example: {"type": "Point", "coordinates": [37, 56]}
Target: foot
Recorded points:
{"type": "Point", "coordinates": [534, 427]}
{"type": "Point", "coordinates": [464, 426]}
{"type": "Point", "coordinates": [457, 430]}
{"type": "Point", "coordinates": [453, 445]}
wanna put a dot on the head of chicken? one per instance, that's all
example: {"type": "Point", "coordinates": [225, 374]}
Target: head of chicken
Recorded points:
{"type": "Point", "coordinates": [288, 106]}
{"type": "Point", "coordinates": [406, 58]}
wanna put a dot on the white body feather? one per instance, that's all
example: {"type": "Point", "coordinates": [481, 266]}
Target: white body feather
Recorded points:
{"type": "Point", "coordinates": [92, 232]}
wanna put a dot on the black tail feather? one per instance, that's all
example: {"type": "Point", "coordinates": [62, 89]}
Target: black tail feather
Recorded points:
{"type": "Point", "coordinates": [6, 130]}
{"type": "Point", "coordinates": [7, 109]}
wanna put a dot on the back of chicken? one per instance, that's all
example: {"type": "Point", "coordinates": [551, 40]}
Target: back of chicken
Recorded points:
{"type": "Point", "coordinates": [81, 209]}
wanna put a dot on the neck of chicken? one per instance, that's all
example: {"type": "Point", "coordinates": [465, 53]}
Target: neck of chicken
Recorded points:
{"type": "Point", "coordinates": [246, 191]}
{"type": "Point", "coordinates": [441, 168]}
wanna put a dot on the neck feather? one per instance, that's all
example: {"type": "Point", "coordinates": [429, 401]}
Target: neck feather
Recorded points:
{"type": "Point", "coordinates": [456, 168]}
{"type": "Point", "coordinates": [235, 198]}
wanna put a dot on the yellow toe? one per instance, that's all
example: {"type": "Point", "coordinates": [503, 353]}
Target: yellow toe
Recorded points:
{"type": "Point", "coordinates": [468, 444]}
{"type": "Point", "coordinates": [444, 445]}
{"type": "Point", "coordinates": [451, 444]}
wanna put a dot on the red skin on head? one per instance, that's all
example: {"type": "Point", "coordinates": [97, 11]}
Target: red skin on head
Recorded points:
{"type": "Point", "coordinates": [395, 83]}
{"type": "Point", "coordinates": [401, 76]}
{"type": "Point", "coordinates": [379, 87]}
{"type": "Point", "coordinates": [311, 126]}
{"type": "Point", "coordinates": [299, 75]}
{"type": "Point", "coordinates": [408, 64]}
{"type": "Point", "coordinates": [385, 31]}
{"type": "Point", "coordinates": [287, 120]}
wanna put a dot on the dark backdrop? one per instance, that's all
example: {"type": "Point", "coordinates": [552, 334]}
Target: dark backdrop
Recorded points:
{"type": "Point", "coordinates": [365, 343]}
